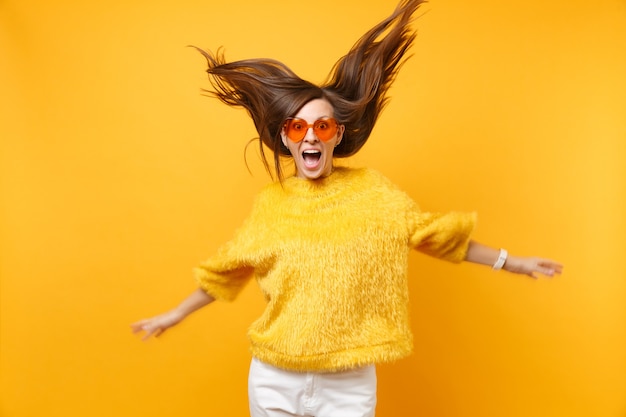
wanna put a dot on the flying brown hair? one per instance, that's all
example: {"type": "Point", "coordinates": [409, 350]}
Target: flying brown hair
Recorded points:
{"type": "Point", "coordinates": [356, 86]}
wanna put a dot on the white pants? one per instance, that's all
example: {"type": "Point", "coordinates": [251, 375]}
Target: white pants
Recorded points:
{"type": "Point", "coordinates": [275, 392]}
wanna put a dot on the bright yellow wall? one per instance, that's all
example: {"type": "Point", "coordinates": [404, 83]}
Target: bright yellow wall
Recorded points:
{"type": "Point", "coordinates": [118, 177]}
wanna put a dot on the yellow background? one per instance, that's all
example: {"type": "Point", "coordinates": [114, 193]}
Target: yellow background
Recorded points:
{"type": "Point", "coordinates": [118, 177]}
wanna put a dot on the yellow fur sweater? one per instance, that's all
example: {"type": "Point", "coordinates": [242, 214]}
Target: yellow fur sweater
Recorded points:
{"type": "Point", "coordinates": [330, 257]}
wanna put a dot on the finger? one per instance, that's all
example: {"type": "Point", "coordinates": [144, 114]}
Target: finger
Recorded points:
{"type": "Point", "coordinates": [552, 269]}
{"type": "Point", "coordinates": [149, 332]}
{"type": "Point", "coordinates": [556, 267]}
{"type": "Point", "coordinates": [155, 332]}
{"type": "Point", "coordinates": [547, 271]}
{"type": "Point", "coordinates": [138, 326]}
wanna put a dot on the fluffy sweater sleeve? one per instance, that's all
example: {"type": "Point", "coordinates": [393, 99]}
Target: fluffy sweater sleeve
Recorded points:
{"type": "Point", "coordinates": [442, 235]}
{"type": "Point", "coordinates": [245, 256]}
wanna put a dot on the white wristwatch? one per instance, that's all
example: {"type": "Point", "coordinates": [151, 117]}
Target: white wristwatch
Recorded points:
{"type": "Point", "coordinates": [501, 259]}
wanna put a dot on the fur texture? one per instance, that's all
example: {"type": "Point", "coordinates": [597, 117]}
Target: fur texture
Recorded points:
{"type": "Point", "coordinates": [331, 257]}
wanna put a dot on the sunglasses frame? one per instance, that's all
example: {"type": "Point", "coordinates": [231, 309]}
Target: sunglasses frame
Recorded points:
{"type": "Point", "coordinates": [331, 121]}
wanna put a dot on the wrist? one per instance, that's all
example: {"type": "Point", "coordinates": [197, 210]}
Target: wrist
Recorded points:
{"type": "Point", "coordinates": [178, 314]}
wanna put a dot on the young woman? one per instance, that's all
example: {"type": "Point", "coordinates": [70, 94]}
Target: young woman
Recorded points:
{"type": "Point", "coordinates": [329, 245]}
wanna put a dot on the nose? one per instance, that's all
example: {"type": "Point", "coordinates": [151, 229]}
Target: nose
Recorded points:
{"type": "Point", "coordinates": [310, 135]}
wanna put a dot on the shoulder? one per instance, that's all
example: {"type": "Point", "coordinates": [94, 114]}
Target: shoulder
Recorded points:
{"type": "Point", "coordinates": [269, 194]}
{"type": "Point", "coordinates": [366, 176]}
{"type": "Point", "coordinates": [374, 181]}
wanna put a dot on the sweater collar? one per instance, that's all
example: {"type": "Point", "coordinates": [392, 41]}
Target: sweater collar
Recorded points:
{"type": "Point", "coordinates": [328, 184]}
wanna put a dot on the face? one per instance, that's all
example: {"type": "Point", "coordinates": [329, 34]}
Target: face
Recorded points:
{"type": "Point", "coordinates": [313, 157]}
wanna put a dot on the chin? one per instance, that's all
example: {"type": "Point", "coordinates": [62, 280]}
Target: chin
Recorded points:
{"type": "Point", "coordinates": [310, 175]}
{"type": "Point", "coordinates": [313, 175]}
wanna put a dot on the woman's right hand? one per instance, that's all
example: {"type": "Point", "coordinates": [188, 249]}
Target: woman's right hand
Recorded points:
{"type": "Point", "coordinates": [157, 325]}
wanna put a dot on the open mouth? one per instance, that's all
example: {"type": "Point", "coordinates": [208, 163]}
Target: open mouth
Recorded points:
{"type": "Point", "coordinates": [311, 157]}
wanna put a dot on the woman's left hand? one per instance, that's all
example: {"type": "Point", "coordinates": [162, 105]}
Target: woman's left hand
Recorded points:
{"type": "Point", "coordinates": [532, 266]}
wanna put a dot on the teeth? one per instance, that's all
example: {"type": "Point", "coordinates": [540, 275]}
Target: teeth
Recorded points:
{"type": "Point", "coordinates": [311, 152]}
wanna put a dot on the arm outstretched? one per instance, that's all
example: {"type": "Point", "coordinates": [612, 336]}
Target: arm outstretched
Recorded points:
{"type": "Point", "coordinates": [531, 266]}
{"type": "Point", "coordinates": [157, 325]}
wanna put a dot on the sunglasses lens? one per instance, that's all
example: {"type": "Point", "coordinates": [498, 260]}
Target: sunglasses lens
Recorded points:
{"type": "Point", "coordinates": [295, 129]}
{"type": "Point", "coordinates": [325, 129]}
